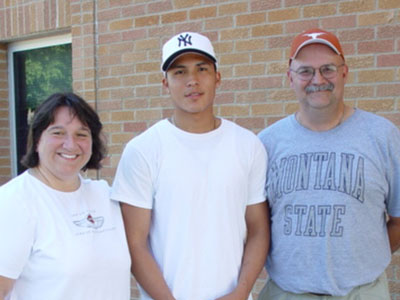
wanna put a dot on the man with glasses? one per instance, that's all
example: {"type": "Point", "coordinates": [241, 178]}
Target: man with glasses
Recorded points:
{"type": "Point", "coordinates": [332, 185]}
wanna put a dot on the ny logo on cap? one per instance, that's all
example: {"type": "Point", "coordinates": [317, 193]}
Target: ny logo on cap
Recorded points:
{"type": "Point", "coordinates": [314, 35]}
{"type": "Point", "coordinates": [186, 40]}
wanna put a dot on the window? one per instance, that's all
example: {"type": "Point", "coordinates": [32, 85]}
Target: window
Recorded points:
{"type": "Point", "coordinates": [37, 69]}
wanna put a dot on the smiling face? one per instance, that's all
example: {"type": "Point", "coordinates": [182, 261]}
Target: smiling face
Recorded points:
{"type": "Point", "coordinates": [64, 148]}
{"type": "Point", "coordinates": [307, 92]}
{"type": "Point", "coordinates": [191, 81]}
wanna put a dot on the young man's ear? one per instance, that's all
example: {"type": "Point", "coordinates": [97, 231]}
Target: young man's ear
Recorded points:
{"type": "Point", "coordinates": [218, 79]}
{"type": "Point", "coordinates": [165, 83]}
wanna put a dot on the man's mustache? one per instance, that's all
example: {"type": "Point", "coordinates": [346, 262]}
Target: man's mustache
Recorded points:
{"type": "Point", "coordinates": [319, 88]}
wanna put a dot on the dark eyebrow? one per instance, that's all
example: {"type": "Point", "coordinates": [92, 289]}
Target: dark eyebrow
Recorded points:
{"type": "Point", "coordinates": [199, 64]}
{"type": "Point", "coordinates": [61, 127]}
{"type": "Point", "coordinates": [203, 63]}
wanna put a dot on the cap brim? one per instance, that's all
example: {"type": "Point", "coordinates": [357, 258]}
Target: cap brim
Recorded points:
{"type": "Point", "coordinates": [174, 56]}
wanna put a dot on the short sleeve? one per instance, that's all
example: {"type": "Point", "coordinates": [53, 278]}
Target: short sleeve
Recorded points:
{"type": "Point", "coordinates": [393, 167]}
{"type": "Point", "coordinates": [133, 180]}
{"type": "Point", "coordinates": [257, 178]}
{"type": "Point", "coordinates": [17, 229]}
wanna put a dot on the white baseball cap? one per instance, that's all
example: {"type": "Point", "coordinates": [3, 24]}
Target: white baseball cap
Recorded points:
{"type": "Point", "coordinates": [186, 42]}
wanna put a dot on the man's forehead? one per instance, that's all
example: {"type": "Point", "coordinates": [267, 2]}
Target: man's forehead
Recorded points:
{"type": "Point", "coordinates": [190, 59]}
{"type": "Point", "coordinates": [309, 54]}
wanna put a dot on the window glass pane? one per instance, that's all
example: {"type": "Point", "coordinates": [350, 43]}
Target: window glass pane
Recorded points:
{"type": "Point", "coordinates": [38, 73]}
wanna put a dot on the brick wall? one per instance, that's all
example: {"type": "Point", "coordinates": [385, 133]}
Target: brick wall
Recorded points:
{"type": "Point", "coordinates": [116, 59]}
{"type": "Point", "coordinates": [5, 163]}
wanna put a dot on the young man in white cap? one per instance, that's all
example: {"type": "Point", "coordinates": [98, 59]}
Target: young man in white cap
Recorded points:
{"type": "Point", "coordinates": [192, 189]}
{"type": "Point", "coordinates": [332, 185]}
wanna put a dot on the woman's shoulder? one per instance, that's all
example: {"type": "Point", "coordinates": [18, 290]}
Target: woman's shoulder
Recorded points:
{"type": "Point", "coordinates": [19, 185]}
{"type": "Point", "coordinates": [98, 185]}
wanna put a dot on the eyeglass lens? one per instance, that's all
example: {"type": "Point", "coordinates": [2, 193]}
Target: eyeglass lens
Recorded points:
{"type": "Point", "coordinates": [327, 71]}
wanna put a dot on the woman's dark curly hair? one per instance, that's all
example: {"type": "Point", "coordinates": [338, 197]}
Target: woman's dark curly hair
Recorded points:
{"type": "Point", "coordinates": [44, 117]}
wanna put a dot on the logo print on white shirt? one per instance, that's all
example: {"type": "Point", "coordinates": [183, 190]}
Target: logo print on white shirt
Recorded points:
{"type": "Point", "coordinates": [90, 222]}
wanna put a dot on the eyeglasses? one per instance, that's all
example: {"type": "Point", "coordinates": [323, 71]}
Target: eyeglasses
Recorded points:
{"type": "Point", "coordinates": [327, 71]}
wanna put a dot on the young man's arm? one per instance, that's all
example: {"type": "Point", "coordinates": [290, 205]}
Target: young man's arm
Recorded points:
{"type": "Point", "coordinates": [145, 269]}
{"type": "Point", "coordinates": [393, 227]}
{"type": "Point", "coordinates": [6, 285]}
{"type": "Point", "coordinates": [255, 251]}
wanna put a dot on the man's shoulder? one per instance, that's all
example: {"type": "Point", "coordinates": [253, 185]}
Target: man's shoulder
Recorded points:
{"type": "Point", "coordinates": [149, 136]}
{"type": "Point", "coordinates": [246, 137]}
{"type": "Point", "coordinates": [275, 128]}
{"type": "Point", "coordinates": [238, 128]}
{"type": "Point", "coordinates": [374, 122]}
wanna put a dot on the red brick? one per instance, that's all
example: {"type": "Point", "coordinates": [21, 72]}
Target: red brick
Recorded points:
{"type": "Point", "coordinates": [299, 26]}
{"type": "Point", "coordinates": [235, 58]}
{"type": "Point", "coordinates": [120, 3]}
{"type": "Point", "coordinates": [263, 5]}
{"type": "Point", "coordinates": [251, 123]}
{"type": "Point", "coordinates": [251, 97]}
{"type": "Point", "coordinates": [388, 4]}
{"type": "Point", "coordinates": [358, 92]}
{"type": "Point", "coordinates": [134, 126]}
{"type": "Point", "coordinates": [376, 105]}
{"type": "Point", "coordinates": [159, 6]}
{"type": "Point", "coordinates": [224, 98]}
{"type": "Point", "coordinates": [339, 22]}
{"type": "Point", "coordinates": [233, 34]}
{"type": "Point", "coordinates": [362, 34]}
{"type": "Point", "coordinates": [173, 17]}
{"type": "Point", "coordinates": [232, 9]}
{"type": "Point", "coordinates": [185, 3]}
{"type": "Point", "coordinates": [234, 110]}
{"type": "Point", "coordinates": [121, 25]}
{"type": "Point", "coordinates": [388, 60]}
{"type": "Point", "coordinates": [234, 84]}
{"type": "Point", "coordinates": [201, 13]}
{"type": "Point", "coordinates": [319, 10]}
{"type": "Point", "coordinates": [218, 23]}
{"type": "Point", "coordinates": [134, 10]}
{"type": "Point", "coordinates": [356, 6]}
{"type": "Point", "coordinates": [386, 90]}
{"type": "Point", "coordinates": [299, 2]}
{"type": "Point", "coordinates": [135, 34]}
{"type": "Point", "coordinates": [147, 21]}
{"type": "Point", "coordinates": [376, 46]}
{"type": "Point", "coordinates": [266, 83]}
{"type": "Point", "coordinates": [375, 18]}
{"type": "Point", "coordinates": [284, 14]}
{"type": "Point", "coordinates": [249, 70]}
{"type": "Point", "coordinates": [267, 30]}
{"type": "Point", "coordinates": [251, 19]}
{"type": "Point", "coordinates": [388, 32]}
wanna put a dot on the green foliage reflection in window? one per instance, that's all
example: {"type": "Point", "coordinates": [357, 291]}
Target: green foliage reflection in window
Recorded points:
{"type": "Point", "coordinates": [47, 71]}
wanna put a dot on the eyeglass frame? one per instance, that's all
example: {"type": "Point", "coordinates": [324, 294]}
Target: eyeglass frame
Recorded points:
{"type": "Point", "coordinates": [319, 70]}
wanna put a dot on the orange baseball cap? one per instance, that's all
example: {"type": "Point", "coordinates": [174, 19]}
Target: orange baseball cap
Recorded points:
{"type": "Point", "coordinates": [315, 36]}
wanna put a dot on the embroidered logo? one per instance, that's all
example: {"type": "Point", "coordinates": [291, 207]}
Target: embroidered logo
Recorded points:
{"type": "Point", "coordinates": [90, 222]}
{"type": "Point", "coordinates": [185, 40]}
{"type": "Point", "coordinates": [314, 35]}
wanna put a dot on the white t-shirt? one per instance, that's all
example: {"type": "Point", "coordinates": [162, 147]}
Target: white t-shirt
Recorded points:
{"type": "Point", "coordinates": [64, 246]}
{"type": "Point", "coordinates": [198, 187]}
